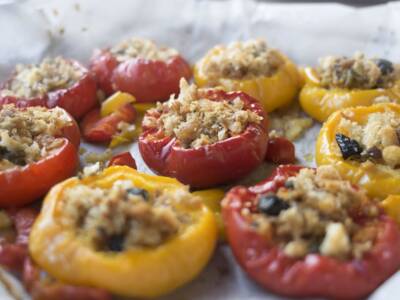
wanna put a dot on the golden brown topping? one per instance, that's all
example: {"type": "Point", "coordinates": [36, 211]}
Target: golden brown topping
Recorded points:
{"type": "Point", "coordinates": [196, 121]}
{"type": "Point", "coordinates": [357, 72]}
{"type": "Point", "coordinates": [311, 213]}
{"type": "Point", "coordinates": [141, 48]}
{"type": "Point", "coordinates": [36, 80]}
{"type": "Point", "coordinates": [241, 60]}
{"type": "Point", "coordinates": [28, 135]}
{"type": "Point", "coordinates": [124, 216]}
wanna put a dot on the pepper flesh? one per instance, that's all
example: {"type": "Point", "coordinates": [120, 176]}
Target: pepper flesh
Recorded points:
{"type": "Point", "coordinates": [139, 272]}
{"type": "Point", "coordinates": [314, 275]}
{"type": "Point", "coordinates": [320, 102]}
{"type": "Point", "coordinates": [275, 91]}
{"type": "Point", "coordinates": [378, 181]}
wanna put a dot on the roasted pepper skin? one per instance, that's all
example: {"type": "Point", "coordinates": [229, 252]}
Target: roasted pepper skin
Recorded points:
{"type": "Point", "coordinates": [123, 159]}
{"type": "Point", "coordinates": [147, 80]}
{"type": "Point", "coordinates": [280, 151]}
{"type": "Point", "coordinates": [24, 184]}
{"type": "Point", "coordinates": [275, 91]}
{"type": "Point", "coordinates": [320, 102]}
{"type": "Point", "coordinates": [314, 275]}
{"type": "Point", "coordinates": [145, 273]}
{"type": "Point", "coordinates": [77, 99]}
{"type": "Point", "coordinates": [212, 164]}
{"type": "Point", "coordinates": [378, 182]}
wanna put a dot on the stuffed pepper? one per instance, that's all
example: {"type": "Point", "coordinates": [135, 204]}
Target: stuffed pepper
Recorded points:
{"type": "Point", "coordinates": [204, 137]}
{"type": "Point", "coordinates": [132, 234]}
{"type": "Point", "coordinates": [141, 68]}
{"type": "Point", "coordinates": [53, 82]}
{"type": "Point", "coordinates": [340, 82]}
{"type": "Point", "coordinates": [38, 148]}
{"type": "Point", "coordinates": [252, 67]}
{"type": "Point", "coordinates": [309, 233]}
{"type": "Point", "coordinates": [363, 144]}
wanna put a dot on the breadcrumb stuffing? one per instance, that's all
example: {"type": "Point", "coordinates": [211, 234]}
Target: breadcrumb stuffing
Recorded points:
{"type": "Point", "coordinates": [142, 48]}
{"type": "Point", "coordinates": [36, 80]}
{"type": "Point", "coordinates": [357, 72]}
{"type": "Point", "coordinates": [317, 216]}
{"type": "Point", "coordinates": [196, 121]}
{"type": "Point", "coordinates": [241, 60]}
{"type": "Point", "coordinates": [27, 135]}
{"type": "Point", "coordinates": [124, 216]}
{"type": "Point", "coordinates": [380, 133]}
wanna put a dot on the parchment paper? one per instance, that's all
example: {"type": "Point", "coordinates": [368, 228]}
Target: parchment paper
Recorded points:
{"type": "Point", "coordinates": [31, 30]}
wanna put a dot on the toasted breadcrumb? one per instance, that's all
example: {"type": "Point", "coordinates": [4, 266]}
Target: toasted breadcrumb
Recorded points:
{"type": "Point", "coordinates": [36, 80]}
{"type": "Point", "coordinates": [124, 216]}
{"type": "Point", "coordinates": [241, 60]}
{"type": "Point", "coordinates": [27, 135]}
{"type": "Point", "coordinates": [142, 48]}
{"type": "Point", "coordinates": [196, 121]}
{"type": "Point", "coordinates": [317, 218]}
{"type": "Point", "coordinates": [357, 72]}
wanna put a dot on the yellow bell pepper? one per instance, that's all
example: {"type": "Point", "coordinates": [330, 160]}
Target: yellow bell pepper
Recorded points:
{"type": "Point", "coordinates": [130, 135]}
{"type": "Point", "coordinates": [391, 205]}
{"type": "Point", "coordinates": [320, 102]}
{"type": "Point", "coordinates": [116, 100]}
{"type": "Point", "coordinates": [378, 180]}
{"type": "Point", "coordinates": [275, 91]}
{"type": "Point", "coordinates": [212, 199]}
{"type": "Point", "coordinates": [141, 272]}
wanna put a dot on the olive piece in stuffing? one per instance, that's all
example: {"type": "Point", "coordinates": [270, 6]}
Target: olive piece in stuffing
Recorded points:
{"type": "Point", "coordinates": [348, 147]}
{"type": "Point", "coordinates": [373, 153]}
{"type": "Point", "coordinates": [288, 184]}
{"type": "Point", "coordinates": [16, 157]}
{"type": "Point", "coordinates": [115, 243]}
{"type": "Point", "coordinates": [271, 205]}
{"type": "Point", "coordinates": [138, 192]}
{"type": "Point", "coordinates": [385, 66]}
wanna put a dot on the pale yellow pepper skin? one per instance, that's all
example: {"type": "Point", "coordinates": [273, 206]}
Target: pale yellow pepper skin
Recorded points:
{"type": "Point", "coordinates": [379, 181]}
{"type": "Point", "coordinates": [142, 272]}
{"type": "Point", "coordinates": [320, 102]}
{"type": "Point", "coordinates": [275, 91]}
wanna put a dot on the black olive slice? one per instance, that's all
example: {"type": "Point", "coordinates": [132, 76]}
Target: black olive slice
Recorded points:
{"type": "Point", "coordinates": [116, 243]}
{"type": "Point", "coordinates": [350, 148]}
{"type": "Point", "coordinates": [373, 153]}
{"type": "Point", "coordinates": [385, 66]}
{"type": "Point", "coordinates": [271, 205]}
{"type": "Point", "coordinates": [288, 184]}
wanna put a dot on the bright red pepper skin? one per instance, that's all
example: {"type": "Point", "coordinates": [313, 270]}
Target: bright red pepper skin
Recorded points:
{"type": "Point", "coordinates": [123, 159]}
{"type": "Point", "coordinates": [99, 129]}
{"type": "Point", "coordinates": [24, 184]}
{"type": "Point", "coordinates": [77, 100]}
{"type": "Point", "coordinates": [213, 164]}
{"type": "Point", "coordinates": [13, 254]}
{"type": "Point", "coordinates": [147, 80]}
{"type": "Point", "coordinates": [315, 275]}
{"type": "Point", "coordinates": [280, 151]}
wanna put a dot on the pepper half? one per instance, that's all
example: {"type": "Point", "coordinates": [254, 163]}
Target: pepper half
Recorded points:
{"type": "Point", "coordinates": [212, 164]}
{"type": "Point", "coordinates": [314, 275]}
{"type": "Point", "coordinates": [137, 272]}
{"type": "Point", "coordinates": [23, 184]}
{"type": "Point", "coordinates": [76, 99]}
{"type": "Point", "coordinates": [378, 180]}
{"type": "Point", "coordinates": [273, 92]}
{"type": "Point", "coordinates": [320, 102]}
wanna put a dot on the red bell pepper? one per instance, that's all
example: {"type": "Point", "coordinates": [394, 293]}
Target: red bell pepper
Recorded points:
{"type": "Point", "coordinates": [147, 80]}
{"type": "Point", "coordinates": [280, 151]}
{"type": "Point", "coordinates": [314, 275]}
{"type": "Point", "coordinates": [123, 159]}
{"type": "Point", "coordinates": [212, 164]}
{"type": "Point", "coordinates": [101, 129]}
{"type": "Point", "coordinates": [77, 99]}
{"type": "Point", "coordinates": [21, 185]}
